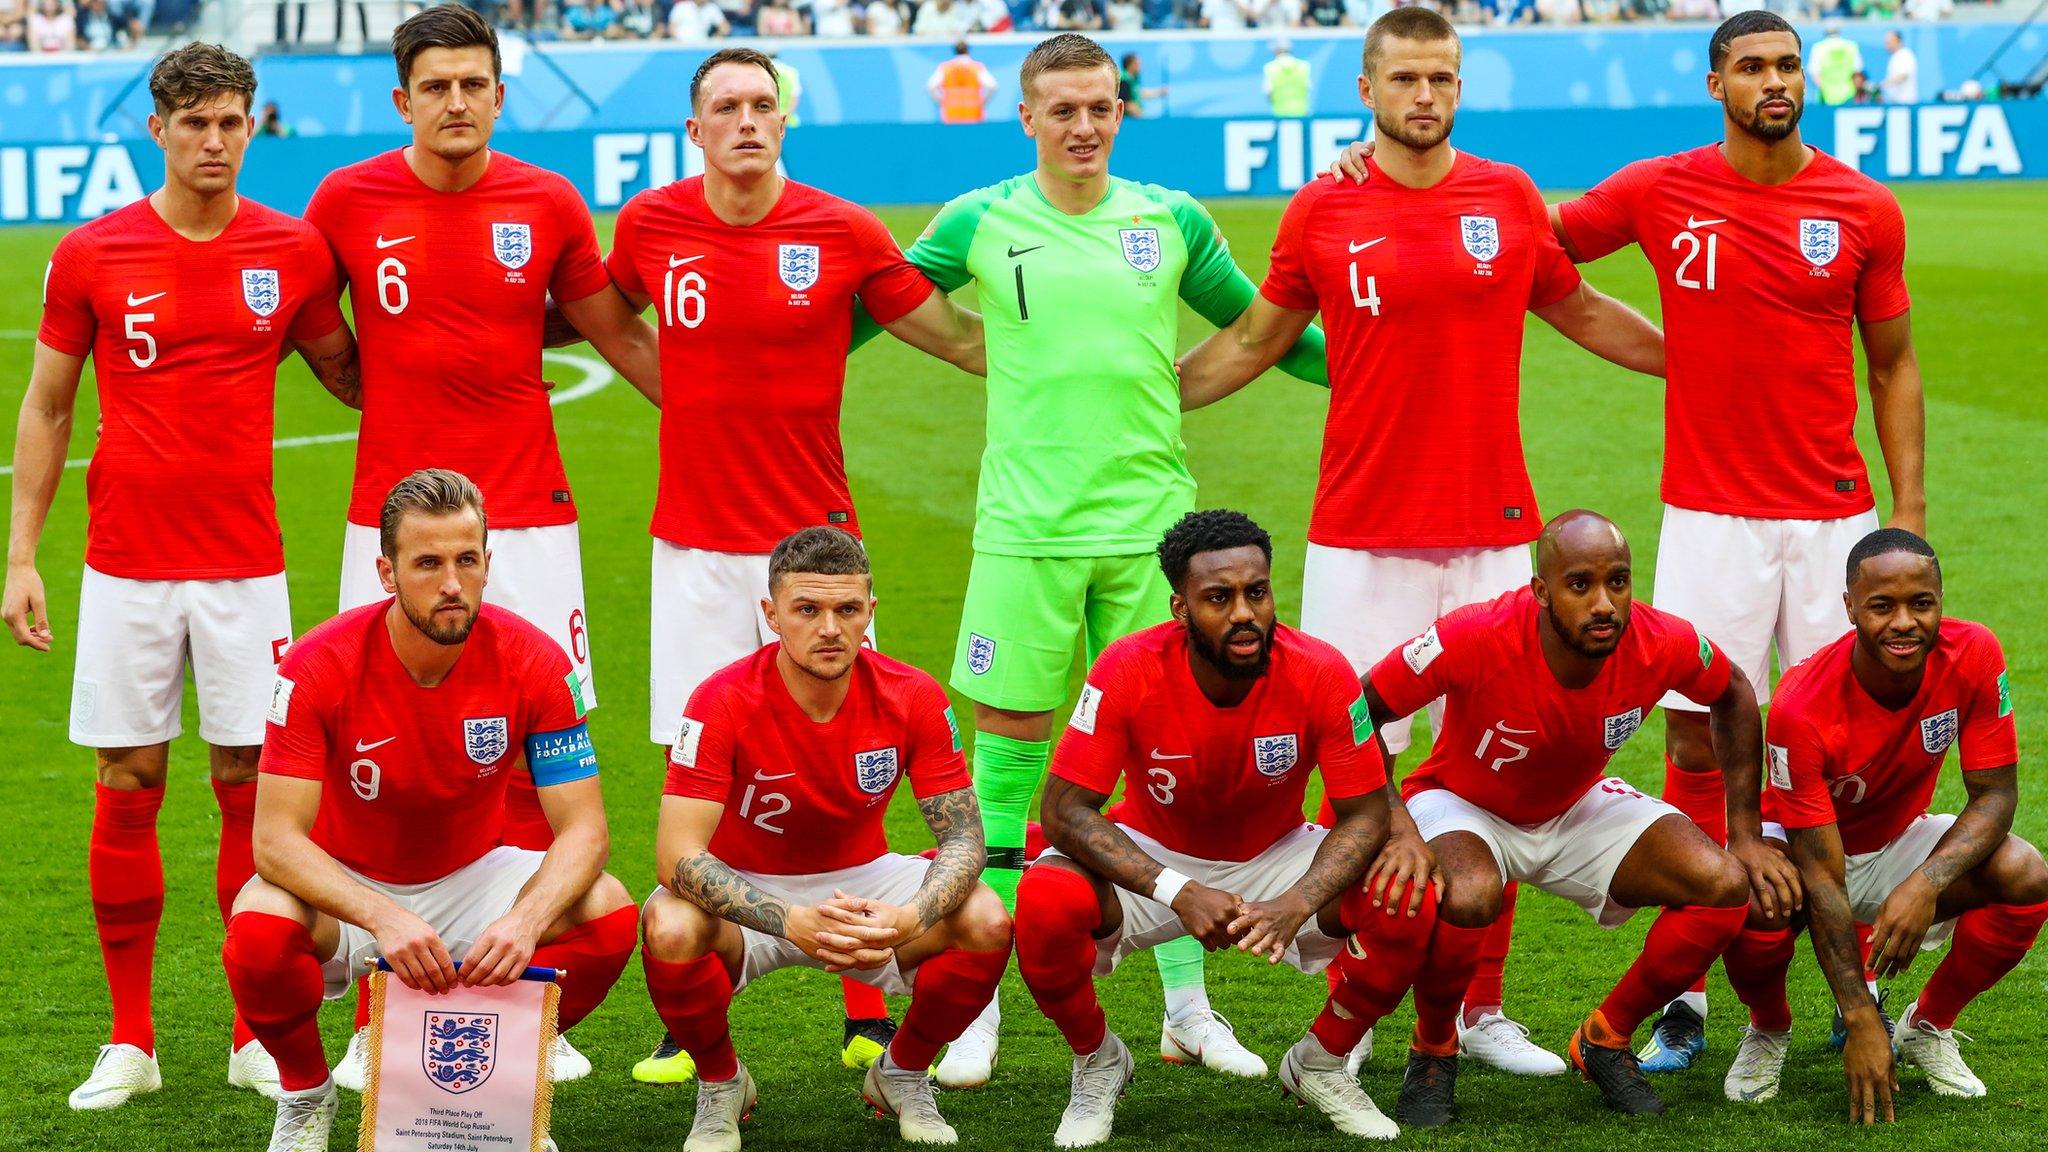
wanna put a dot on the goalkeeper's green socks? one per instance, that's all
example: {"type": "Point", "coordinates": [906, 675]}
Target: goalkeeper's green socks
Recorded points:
{"type": "Point", "coordinates": [1006, 775]}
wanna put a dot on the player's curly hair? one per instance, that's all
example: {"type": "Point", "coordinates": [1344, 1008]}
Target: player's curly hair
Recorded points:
{"type": "Point", "coordinates": [442, 26]}
{"type": "Point", "coordinates": [1210, 530]}
{"type": "Point", "coordinates": [1885, 541]}
{"type": "Point", "coordinates": [820, 550]}
{"type": "Point", "coordinates": [1744, 24]}
{"type": "Point", "coordinates": [429, 492]}
{"type": "Point", "coordinates": [185, 76]}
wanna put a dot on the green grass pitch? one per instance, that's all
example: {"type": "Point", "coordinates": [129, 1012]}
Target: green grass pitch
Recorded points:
{"type": "Point", "coordinates": [1978, 264]}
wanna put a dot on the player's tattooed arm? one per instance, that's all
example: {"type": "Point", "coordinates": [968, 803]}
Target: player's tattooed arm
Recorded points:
{"type": "Point", "coordinates": [1074, 824]}
{"type": "Point", "coordinates": [1341, 859]}
{"type": "Point", "coordinates": [1832, 924]}
{"type": "Point", "coordinates": [1909, 911]}
{"type": "Point", "coordinates": [712, 884]}
{"type": "Point", "coordinates": [335, 363]}
{"type": "Point", "coordinates": [955, 821]}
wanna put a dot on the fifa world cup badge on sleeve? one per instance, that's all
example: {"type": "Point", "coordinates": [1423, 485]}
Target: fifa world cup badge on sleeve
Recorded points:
{"type": "Point", "coordinates": [1781, 767]}
{"type": "Point", "coordinates": [1422, 651]}
{"type": "Point", "coordinates": [1084, 709]}
{"type": "Point", "coordinates": [468, 1069]}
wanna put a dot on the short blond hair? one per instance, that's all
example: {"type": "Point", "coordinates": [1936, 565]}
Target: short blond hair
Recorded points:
{"type": "Point", "coordinates": [198, 72]}
{"type": "Point", "coordinates": [1424, 25]}
{"type": "Point", "coordinates": [1066, 52]}
{"type": "Point", "coordinates": [429, 492]}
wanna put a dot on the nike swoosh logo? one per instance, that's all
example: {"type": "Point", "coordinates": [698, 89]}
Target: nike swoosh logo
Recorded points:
{"type": "Point", "coordinates": [678, 262]}
{"type": "Point", "coordinates": [382, 243]}
{"type": "Point", "coordinates": [363, 747]}
{"type": "Point", "coordinates": [1690, 222]}
{"type": "Point", "coordinates": [764, 778]}
{"type": "Point", "coordinates": [1158, 755]}
{"type": "Point", "coordinates": [1016, 252]}
{"type": "Point", "coordinates": [134, 300]}
{"type": "Point", "coordinates": [1355, 248]}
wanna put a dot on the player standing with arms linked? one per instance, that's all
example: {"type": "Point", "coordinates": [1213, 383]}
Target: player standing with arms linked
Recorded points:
{"type": "Point", "coordinates": [452, 252]}
{"type": "Point", "coordinates": [192, 290]}
{"type": "Point", "coordinates": [728, 258]}
{"type": "Point", "coordinates": [1080, 277]}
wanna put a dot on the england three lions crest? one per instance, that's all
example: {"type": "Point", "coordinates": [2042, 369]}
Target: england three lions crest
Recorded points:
{"type": "Point", "coordinates": [487, 740]}
{"type": "Point", "coordinates": [459, 1049]}
{"type": "Point", "coordinates": [260, 291]}
{"type": "Point", "coordinates": [1481, 235]}
{"type": "Point", "coordinates": [1275, 756]}
{"type": "Point", "coordinates": [875, 771]}
{"type": "Point", "coordinates": [981, 653]}
{"type": "Point", "coordinates": [512, 244]}
{"type": "Point", "coordinates": [798, 265]}
{"type": "Point", "coordinates": [1938, 731]}
{"type": "Point", "coordinates": [1619, 728]}
{"type": "Point", "coordinates": [1820, 241]}
{"type": "Point", "coordinates": [1141, 248]}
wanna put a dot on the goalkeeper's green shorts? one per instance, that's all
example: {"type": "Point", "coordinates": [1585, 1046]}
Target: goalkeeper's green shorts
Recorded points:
{"type": "Point", "coordinates": [1023, 615]}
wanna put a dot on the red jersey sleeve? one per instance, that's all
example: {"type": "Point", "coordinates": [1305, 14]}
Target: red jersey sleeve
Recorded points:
{"type": "Point", "coordinates": [1346, 754]}
{"type": "Point", "coordinates": [579, 270]}
{"type": "Point", "coordinates": [320, 312]}
{"type": "Point", "coordinates": [1097, 740]}
{"type": "Point", "coordinates": [1430, 665]}
{"type": "Point", "coordinates": [1881, 288]}
{"type": "Point", "coordinates": [700, 762]}
{"type": "Point", "coordinates": [68, 322]}
{"type": "Point", "coordinates": [1556, 276]}
{"type": "Point", "coordinates": [891, 286]}
{"type": "Point", "coordinates": [1287, 282]}
{"type": "Point", "coordinates": [325, 212]}
{"type": "Point", "coordinates": [1797, 777]}
{"type": "Point", "coordinates": [936, 766]}
{"type": "Point", "coordinates": [625, 243]}
{"type": "Point", "coordinates": [554, 694]}
{"type": "Point", "coordinates": [1990, 737]}
{"type": "Point", "coordinates": [1603, 219]}
{"type": "Point", "coordinates": [295, 738]}
{"type": "Point", "coordinates": [1695, 667]}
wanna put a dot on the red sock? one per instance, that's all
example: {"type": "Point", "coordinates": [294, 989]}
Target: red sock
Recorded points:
{"type": "Point", "coordinates": [236, 861]}
{"type": "Point", "coordinates": [1056, 912]}
{"type": "Point", "coordinates": [594, 954]}
{"type": "Point", "coordinates": [126, 875]}
{"type": "Point", "coordinates": [693, 999]}
{"type": "Point", "coordinates": [1682, 945]}
{"type": "Point", "coordinates": [1378, 965]}
{"type": "Point", "coordinates": [526, 824]}
{"type": "Point", "coordinates": [1989, 942]}
{"type": "Point", "coordinates": [1441, 985]}
{"type": "Point", "coordinates": [363, 1002]}
{"type": "Point", "coordinates": [1701, 796]}
{"type": "Point", "coordinates": [1035, 842]}
{"type": "Point", "coordinates": [277, 983]}
{"type": "Point", "coordinates": [1756, 964]}
{"type": "Point", "coordinates": [863, 1001]}
{"type": "Point", "coordinates": [1863, 950]}
{"type": "Point", "coordinates": [947, 993]}
{"type": "Point", "coordinates": [1485, 989]}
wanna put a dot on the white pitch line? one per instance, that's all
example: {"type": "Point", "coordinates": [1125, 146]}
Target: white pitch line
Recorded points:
{"type": "Point", "coordinates": [595, 376]}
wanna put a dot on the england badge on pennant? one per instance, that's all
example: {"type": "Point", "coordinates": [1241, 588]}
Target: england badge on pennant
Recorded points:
{"type": "Point", "coordinates": [874, 771]}
{"type": "Point", "coordinates": [459, 1050]}
{"type": "Point", "coordinates": [1275, 755]}
{"type": "Point", "coordinates": [1938, 731]}
{"type": "Point", "coordinates": [798, 265]}
{"type": "Point", "coordinates": [1620, 728]}
{"type": "Point", "coordinates": [260, 290]}
{"type": "Point", "coordinates": [486, 740]}
{"type": "Point", "coordinates": [1141, 248]}
{"type": "Point", "coordinates": [1820, 241]}
{"type": "Point", "coordinates": [1481, 235]}
{"type": "Point", "coordinates": [512, 244]}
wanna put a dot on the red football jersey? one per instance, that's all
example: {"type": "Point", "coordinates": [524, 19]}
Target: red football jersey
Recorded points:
{"type": "Point", "coordinates": [1760, 287]}
{"type": "Point", "coordinates": [414, 777]}
{"type": "Point", "coordinates": [755, 323]}
{"type": "Point", "coordinates": [1838, 757]}
{"type": "Point", "coordinates": [1422, 292]}
{"type": "Point", "coordinates": [803, 797]}
{"type": "Point", "coordinates": [1218, 783]}
{"type": "Point", "coordinates": [449, 290]}
{"type": "Point", "coordinates": [185, 337]}
{"type": "Point", "coordinates": [1515, 741]}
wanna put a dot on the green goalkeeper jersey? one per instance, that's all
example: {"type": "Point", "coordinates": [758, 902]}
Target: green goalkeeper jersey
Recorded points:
{"type": "Point", "coordinates": [1081, 314]}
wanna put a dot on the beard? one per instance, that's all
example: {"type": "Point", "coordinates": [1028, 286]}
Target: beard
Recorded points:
{"type": "Point", "coordinates": [1578, 641]}
{"type": "Point", "coordinates": [444, 634]}
{"type": "Point", "coordinates": [1219, 657]}
{"type": "Point", "coordinates": [1771, 131]}
{"type": "Point", "coordinates": [1420, 140]}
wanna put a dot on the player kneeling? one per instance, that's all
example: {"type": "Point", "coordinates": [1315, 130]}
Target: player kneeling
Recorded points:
{"type": "Point", "coordinates": [393, 731]}
{"type": "Point", "coordinates": [1217, 718]}
{"type": "Point", "coordinates": [1857, 736]}
{"type": "Point", "coordinates": [773, 854]}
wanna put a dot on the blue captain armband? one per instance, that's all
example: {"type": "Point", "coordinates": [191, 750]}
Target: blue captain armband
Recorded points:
{"type": "Point", "coordinates": [561, 757]}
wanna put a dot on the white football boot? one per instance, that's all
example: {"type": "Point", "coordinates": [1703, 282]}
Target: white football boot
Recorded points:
{"type": "Point", "coordinates": [1204, 1037]}
{"type": "Point", "coordinates": [1099, 1080]}
{"type": "Point", "coordinates": [118, 1072]}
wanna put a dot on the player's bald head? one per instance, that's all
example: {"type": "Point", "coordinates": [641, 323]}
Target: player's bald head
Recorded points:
{"type": "Point", "coordinates": [1578, 539]}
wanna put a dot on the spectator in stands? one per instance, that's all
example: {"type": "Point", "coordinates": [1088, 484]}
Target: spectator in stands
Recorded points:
{"type": "Point", "coordinates": [1558, 12]}
{"type": "Point", "coordinates": [833, 18]}
{"type": "Point", "coordinates": [1069, 15]}
{"type": "Point", "coordinates": [789, 88]}
{"type": "Point", "coordinates": [641, 20]}
{"type": "Point", "coordinates": [1325, 14]}
{"type": "Point", "coordinates": [1901, 72]}
{"type": "Point", "coordinates": [13, 26]}
{"type": "Point", "coordinates": [1287, 82]}
{"type": "Point", "coordinates": [1694, 10]}
{"type": "Point", "coordinates": [739, 16]}
{"type": "Point", "coordinates": [52, 28]}
{"type": "Point", "coordinates": [1837, 66]}
{"type": "Point", "coordinates": [270, 121]}
{"type": "Point", "coordinates": [95, 27]}
{"type": "Point", "coordinates": [1929, 10]}
{"type": "Point", "coordinates": [961, 86]}
{"type": "Point", "coordinates": [1126, 16]}
{"type": "Point", "coordinates": [777, 18]}
{"type": "Point", "coordinates": [131, 18]}
{"type": "Point", "coordinates": [588, 20]}
{"type": "Point", "coordinates": [883, 18]}
{"type": "Point", "coordinates": [697, 21]}
{"type": "Point", "coordinates": [943, 19]}
{"type": "Point", "coordinates": [1227, 15]}
{"type": "Point", "coordinates": [1509, 12]}
{"type": "Point", "coordinates": [1280, 14]}
{"type": "Point", "coordinates": [993, 16]}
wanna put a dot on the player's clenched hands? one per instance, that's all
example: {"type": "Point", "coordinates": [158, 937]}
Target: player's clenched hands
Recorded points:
{"type": "Point", "coordinates": [1901, 925]}
{"type": "Point", "coordinates": [414, 951]}
{"type": "Point", "coordinates": [27, 614]}
{"type": "Point", "coordinates": [1207, 914]}
{"type": "Point", "coordinates": [1401, 873]}
{"type": "Point", "coordinates": [1267, 927]}
{"type": "Point", "coordinates": [1350, 163]}
{"type": "Point", "coordinates": [1773, 878]}
{"type": "Point", "coordinates": [843, 932]}
{"type": "Point", "coordinates": [1867, 1065]}
{"type": "Point", "coordinates": [500, 954]}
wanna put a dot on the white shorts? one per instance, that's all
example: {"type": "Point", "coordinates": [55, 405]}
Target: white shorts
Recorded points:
{"type": "Point", "coordinates": [1872, 876]}
{"type": "Point", "coordinates": [1574, 855]}
{"type": "Point", "coordinates": [1367, 604]}
{"type": "Point", "coordinates": [135, 636]}
{"type": "Point", "coordinates": [704, 613]}
{"type": "Point", "coordinates": [1746, 583]}
{"type": "Point", "coordinates": [458, 907]}
{"type": "Point", "coordinates": [1148, 923]}
{"type": "Point", "coordinates": [892, 879]}
{"type": "Point", "coordinates": [535, 572]}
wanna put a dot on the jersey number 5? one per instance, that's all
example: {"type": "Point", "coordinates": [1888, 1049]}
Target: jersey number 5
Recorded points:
{"type": "Point", "coordinates": [132, 324]}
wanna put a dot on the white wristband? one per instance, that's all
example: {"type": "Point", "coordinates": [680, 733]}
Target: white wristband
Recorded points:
{"type": "Point", "coordinates": [1168, 886]}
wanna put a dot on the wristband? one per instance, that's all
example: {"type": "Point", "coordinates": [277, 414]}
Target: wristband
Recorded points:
{"type": "Point", "coordinates": [1168, 886]}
